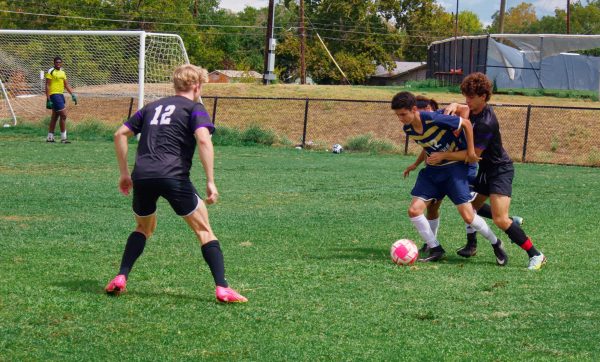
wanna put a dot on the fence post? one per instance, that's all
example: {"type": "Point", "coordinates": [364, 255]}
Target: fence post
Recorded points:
{"type": "Point", "coordinates": [214, 120]}
{"type": "Point", "coordinates": [405, 144]}
{"type": "Point", "coordinates": [305, 123]}
{"type": "Point", "coordinates": [526, 133]}
{"type": "Point", "coordinates": [130, 107]}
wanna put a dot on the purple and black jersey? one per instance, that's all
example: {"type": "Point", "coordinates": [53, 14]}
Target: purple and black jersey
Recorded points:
{"type": "Point", "coordinates": [167, 143]}
{"type": "Point", "coordinates": [486, 134]}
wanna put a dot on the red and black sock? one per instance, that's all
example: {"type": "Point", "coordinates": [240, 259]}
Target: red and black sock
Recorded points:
{"type": "Point", "coordinates": [517, 236]}
{"type": "Point", "coordinates": [213, 256]}
{"type": "Point", "coordinates": [133, 249]}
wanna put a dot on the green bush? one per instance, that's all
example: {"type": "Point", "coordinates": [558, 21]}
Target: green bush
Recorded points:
{"type": "Point", "coordinates": [225, 136]}
{"type": "Point", "coordinates": [366, 143]}
{"type": "Point", "coordinates": [91, 129]}
{"type": "Point", "coordinates": [254, 135]}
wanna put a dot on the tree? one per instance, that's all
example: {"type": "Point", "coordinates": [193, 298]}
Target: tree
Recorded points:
{"type": "Point", "coordinates": [516, 20]}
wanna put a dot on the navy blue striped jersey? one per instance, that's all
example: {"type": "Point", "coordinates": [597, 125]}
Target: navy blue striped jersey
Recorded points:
{"type": "Point", "coordinates": [167, 141]}
{"type": "Point", "coordinates": [441, 133]}
{"type": "Point", "coordinates": [486, 136]}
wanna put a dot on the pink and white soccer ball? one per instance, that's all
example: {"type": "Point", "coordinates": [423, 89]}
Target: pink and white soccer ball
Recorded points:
{"type": "Point", "coordinates": [404, 252]}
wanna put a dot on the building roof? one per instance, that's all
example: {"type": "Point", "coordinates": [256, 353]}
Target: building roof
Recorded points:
{"type": "Point", "coordinates": [401, 68]}
{"type": "Point", "coordinates": [238, 73]}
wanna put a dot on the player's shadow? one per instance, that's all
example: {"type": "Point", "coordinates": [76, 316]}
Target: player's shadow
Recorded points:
{"type": "Point", "coordinates": [354, 253]}
{"type": "Point", "coordinates": [91, 286]}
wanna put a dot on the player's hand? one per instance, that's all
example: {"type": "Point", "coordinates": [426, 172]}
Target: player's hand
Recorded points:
{"type": "Point", "coordinates": [472, 158]}
{"type": "Point", "coordinates": [451, 108]}
{"type": "Point", "coordinates": [74, 98]}
{"type": "Point", "coordinates": [435, 158]}
{"type": "Point", "coordinates": [48, 104]}
{"type": "Point", "coordinates": [211, 193]}
{"type": "Point", "coordinates": [410, 168]}
{"type": "Point", "coordinates": [125, 184]}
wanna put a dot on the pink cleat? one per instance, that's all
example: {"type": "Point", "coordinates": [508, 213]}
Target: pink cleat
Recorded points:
{"type": "Point", "coordinates": [228, 295]}
{"type": "Point", "coordinates": [117, 285]}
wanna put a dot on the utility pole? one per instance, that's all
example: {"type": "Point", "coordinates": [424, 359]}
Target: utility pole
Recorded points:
{"type": "Point", "coordinates": [302, 44]}
{"type": "Point", "coordinates": [195, 9]}
{"type": "Point", "coordinates": [268, 74]}
{"type": "Point", "coordinates": [501, 18]}
{"type": "Point", "coordinates": [456, 36]}
{"type": "Point", "coordinates": [568, 17]}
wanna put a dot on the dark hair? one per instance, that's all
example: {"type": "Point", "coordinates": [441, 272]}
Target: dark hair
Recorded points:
{"type": "Point", "coordinates": [404, 100]}
{"type": "Point", "coordinates": [423, 102]}
{"type": "Point", "coordinates": [57, 58]}
{"type": "Point", "coordinates": [477, 84]}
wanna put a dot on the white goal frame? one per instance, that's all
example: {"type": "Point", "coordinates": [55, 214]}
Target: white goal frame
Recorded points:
{"type": "Point", "coordinates": [142, 35]}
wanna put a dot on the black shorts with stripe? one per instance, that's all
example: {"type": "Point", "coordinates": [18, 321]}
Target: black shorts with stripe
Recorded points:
{"type": "Point", "coordinates": [495, 181]}
{"type": "Point", "coordinates": [181, 195]}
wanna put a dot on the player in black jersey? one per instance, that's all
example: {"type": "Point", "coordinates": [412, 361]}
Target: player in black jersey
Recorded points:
{"type": "Point", "coordinates": [170, 129]}
{"type": "Point", "coordinates": [496, 171]}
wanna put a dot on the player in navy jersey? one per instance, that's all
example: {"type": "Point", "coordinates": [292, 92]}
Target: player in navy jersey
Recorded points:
{"type": "Point", "coordinates": [170, 129]}
{"type": "Point", "coordinates": [496, 171]}
{"type": "Point", "coordinates": [436, 132]}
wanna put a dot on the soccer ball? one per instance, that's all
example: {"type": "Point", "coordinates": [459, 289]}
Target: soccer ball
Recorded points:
{"type": "Point", "coordinates": [337, 148]}
{"type": "Point", "coordinates": [404, 252]}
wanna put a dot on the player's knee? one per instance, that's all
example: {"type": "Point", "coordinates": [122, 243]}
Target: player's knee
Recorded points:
{"type": "Point", "coordinates": [502, 222]}
{"type": "Point", "coordinates": [414, 211]}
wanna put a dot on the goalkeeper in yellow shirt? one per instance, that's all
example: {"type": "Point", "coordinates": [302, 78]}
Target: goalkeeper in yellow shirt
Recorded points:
{"type": "Point", "coordinates": [56, 83]}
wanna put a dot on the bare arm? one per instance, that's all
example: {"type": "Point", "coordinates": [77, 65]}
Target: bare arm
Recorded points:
{"type": "Point", "coordinates": [67, 87]}
{"type": "Point", "coordinates": [207, 156]}
{"type": "Point", "coordinates": [422, 156]}
{"type": "Point", "coordinates": [47, 88]}
{"type": "Point", "coordinates": [467, 127]}
{"type": "Point", "coordinates": [121, 148]}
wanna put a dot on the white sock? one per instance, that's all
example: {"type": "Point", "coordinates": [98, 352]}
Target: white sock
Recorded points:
{"type": "Point", "coordinates": [469, 229]}
{"type": "Point", "coordinates": [50, 135]}
{"type": "Point", "coordinates": [63, 135]}
{"type": "Point", "coordinates": [482, 227]}
{"type": "Point", "coordinates": [435, 225]}
{"type": "Point", "coordinates": [422, 226]}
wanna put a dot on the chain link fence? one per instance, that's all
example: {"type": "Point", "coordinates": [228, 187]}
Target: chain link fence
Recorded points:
{"type": "Point", "coordinates": [537, 134]}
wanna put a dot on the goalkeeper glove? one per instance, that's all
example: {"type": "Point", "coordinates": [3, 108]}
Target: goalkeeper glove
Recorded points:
{"type": "Point", "coordinates": [48, 104]}
{"type": "Point", "coordinates": [74, 98]}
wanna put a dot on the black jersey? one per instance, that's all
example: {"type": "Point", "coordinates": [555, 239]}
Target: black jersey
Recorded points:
{"type": "Point", "coordinates": [167, 143]}
{"type": "Point", "coordinates": [486, 135]}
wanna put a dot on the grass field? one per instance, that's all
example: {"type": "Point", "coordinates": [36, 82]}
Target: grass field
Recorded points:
{"type": "Point", "coordinates": [306, 237]}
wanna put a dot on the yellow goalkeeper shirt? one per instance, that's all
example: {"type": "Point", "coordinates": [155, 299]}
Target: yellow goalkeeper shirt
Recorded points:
{"type": "Point", "coordinates": [57, 81]}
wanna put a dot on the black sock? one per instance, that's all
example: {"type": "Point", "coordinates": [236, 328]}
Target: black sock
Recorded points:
{"type": "Point", "coordinates": [472, 239]}
{"type": "Point", "coordinates": [133, 249]}
{"type": "Point", "coordinates": [485, 211]}
{"type": "Point", "coordinates": [213, 256]}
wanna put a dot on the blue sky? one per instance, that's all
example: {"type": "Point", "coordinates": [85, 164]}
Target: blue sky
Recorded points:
{"type": "Point", "coordinates": [483, 8]}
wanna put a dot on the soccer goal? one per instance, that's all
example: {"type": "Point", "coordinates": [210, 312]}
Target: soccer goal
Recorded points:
{"type": "Point", "coordinates": [111, 72]}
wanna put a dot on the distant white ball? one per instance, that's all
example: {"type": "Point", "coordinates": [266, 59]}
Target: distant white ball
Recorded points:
{"type": "Point", "coordinates": [404, 252]}
{"type": "Point", "coordinates": [337, 148]}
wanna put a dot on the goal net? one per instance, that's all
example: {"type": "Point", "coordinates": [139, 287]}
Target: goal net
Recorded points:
{"type": "Point", "coordinates": [111, 72]}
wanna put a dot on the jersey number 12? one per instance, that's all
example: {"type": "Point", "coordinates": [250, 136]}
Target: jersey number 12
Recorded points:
{"type": "Point", "coordinates": [165, 117]}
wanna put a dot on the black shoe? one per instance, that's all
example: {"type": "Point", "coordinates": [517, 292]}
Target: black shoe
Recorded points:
{"type": "Point", "coordinates": [435, 254]}
{"type": "Point", "coordinates": [501, 257]}
{"type": "Point", "coordinates": [50, 140]}
{"type": "Point", "coordinates": [424, 249]}
{"type": "Point", "coordinates": [65, 141]}
{"type": "Point", "coordinates": [470, 249]}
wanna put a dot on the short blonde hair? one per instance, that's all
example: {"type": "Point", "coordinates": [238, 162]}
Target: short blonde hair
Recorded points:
{"type": "Point", "coordinates": [185, 76]}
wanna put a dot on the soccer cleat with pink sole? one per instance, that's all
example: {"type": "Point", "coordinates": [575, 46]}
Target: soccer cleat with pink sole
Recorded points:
{"type": "Point", "coordinates": [117, 285]}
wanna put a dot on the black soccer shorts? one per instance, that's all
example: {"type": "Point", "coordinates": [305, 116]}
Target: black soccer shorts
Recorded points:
{"type": "Point", "coordinates": [181, 195]}
{"type": "Point", "coordinates": [495, 181]}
